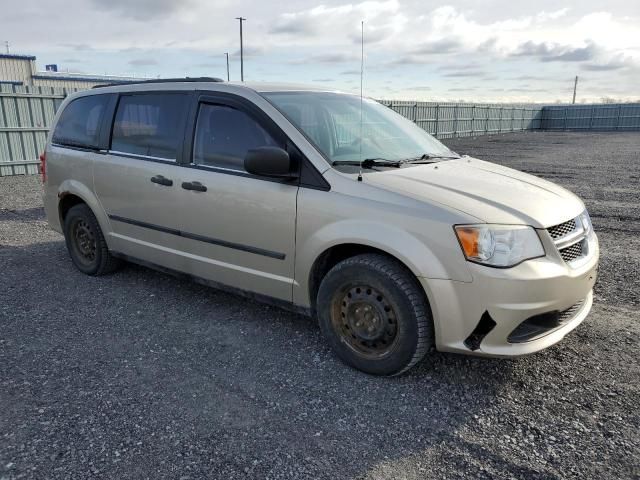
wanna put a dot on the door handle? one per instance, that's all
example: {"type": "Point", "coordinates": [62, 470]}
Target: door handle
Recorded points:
{"type": "Point", "coordinates": [160, 180]}
{"type": "Point", "coordinates": [195, 186]}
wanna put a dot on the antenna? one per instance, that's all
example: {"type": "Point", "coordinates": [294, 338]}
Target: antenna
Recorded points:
{"type": "Point", "coordinates": [361, 78]}
{"type": "Point", "coordinates": [241, 19]}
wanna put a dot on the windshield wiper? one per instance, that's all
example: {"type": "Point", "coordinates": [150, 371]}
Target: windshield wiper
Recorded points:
{"type": "Point", "coordinates": [427, 158]}
{"type": "Point", "coordinates": [370, 162]}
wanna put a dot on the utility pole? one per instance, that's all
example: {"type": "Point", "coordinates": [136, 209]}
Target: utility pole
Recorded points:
{"type": "Point", "coordinates": [6, 45]}
{"type": "Point", "coordinates": [241, 49]}
{"type": "Point", "coordinates": [575, 87]}
{"type": "Point", "coordinates": [227, 55]}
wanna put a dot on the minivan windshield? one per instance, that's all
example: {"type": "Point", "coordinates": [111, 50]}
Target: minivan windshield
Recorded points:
{"type": "Point", "coordinates": [332, 122]}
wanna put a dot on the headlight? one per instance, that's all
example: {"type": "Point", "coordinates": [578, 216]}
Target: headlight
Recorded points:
{"type": "Point", "coordinates": [585, 220]}
{"type": "Point", "coordinates": [499, 245]}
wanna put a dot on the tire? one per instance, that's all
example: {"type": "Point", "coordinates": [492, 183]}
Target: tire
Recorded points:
{"type": "Point", "coordinates": [85, 242]}
{"type": "Point", "coordinates": [375, 315]}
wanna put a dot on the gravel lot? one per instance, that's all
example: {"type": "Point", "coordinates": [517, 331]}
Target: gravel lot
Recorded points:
{"type": "Point", "coordinates": [140, 375]}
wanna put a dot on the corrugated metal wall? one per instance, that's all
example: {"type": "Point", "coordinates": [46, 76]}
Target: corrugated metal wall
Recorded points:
{"type": "Point", "coordinates": [17, 68]}
{"type": "Point", "coordinates": [25, 116]}
{"type": "Point", "coordinates": [446, 120]}
{"type": "Point", "coordinates": [614, 116]}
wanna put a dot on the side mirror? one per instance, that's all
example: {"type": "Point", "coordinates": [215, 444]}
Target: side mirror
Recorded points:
{"type": "Point", "coordinates": [269, 162]}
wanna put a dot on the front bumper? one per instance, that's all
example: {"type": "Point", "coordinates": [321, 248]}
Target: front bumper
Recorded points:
{"type": "Point", "coordinates": [511, 296]}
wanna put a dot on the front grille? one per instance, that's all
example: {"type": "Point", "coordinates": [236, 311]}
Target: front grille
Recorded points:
{"type": "Point", "coordinates": [571, 252]}
{"type": "Point", "coordinates": [570, 238]}
{"type": "Point", "coordinates": [559, 231]}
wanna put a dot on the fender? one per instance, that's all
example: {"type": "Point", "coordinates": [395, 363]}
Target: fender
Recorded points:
{"type": "Point", "coordinates": [74, 187]}
{"type": "Point", "coordinates": [399, 243]}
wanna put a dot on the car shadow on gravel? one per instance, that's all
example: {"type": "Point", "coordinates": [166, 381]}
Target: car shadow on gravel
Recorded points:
{"type": "Point", "coordinates": [217, 368]}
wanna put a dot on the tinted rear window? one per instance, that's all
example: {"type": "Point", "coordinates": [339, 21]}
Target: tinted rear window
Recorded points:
{"type": "Point", "coordinates": [150, 124]}
{"type": "Point", "coordinates": [79, 123]}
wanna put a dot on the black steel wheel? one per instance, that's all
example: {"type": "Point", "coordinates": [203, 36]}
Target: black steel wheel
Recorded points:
{"type": "Point", "coordinates": [366, 321]}
{"type": "Point", "coordinates": [374, 314]}
{"type": "Point", "coordinates": [85, 242]}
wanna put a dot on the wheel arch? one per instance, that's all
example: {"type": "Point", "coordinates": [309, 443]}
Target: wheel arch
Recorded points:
{"type": "Point", "coordinates": [334, 255]}
{"type": "Point", "coordinates": [71, 193]}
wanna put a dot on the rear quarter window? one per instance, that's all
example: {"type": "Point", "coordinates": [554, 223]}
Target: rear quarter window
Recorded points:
{"type": "Point", "coordinates": [79, 123]}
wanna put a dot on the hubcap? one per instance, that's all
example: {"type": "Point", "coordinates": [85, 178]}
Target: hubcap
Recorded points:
{"type": "Point", "coordinates": [85, 240]}
{"type": "Point", "coordinates": [365, 320]}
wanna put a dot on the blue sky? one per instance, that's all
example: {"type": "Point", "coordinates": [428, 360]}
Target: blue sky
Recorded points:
{"type": "Point", "coordinates": [496, 50]}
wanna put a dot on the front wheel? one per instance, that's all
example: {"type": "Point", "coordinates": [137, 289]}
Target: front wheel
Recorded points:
{"type": "Point", "coordinates": [374, 314]}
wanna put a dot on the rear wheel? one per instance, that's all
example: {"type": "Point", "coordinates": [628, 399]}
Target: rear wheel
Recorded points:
{"type": "Point", "coordinates": [85, 242]}
{"type": "Point", "coordinates": [374, 314]}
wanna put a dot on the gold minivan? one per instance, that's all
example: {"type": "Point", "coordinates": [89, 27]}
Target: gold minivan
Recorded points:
{"type": "Point", "coordinates": [325, 204]}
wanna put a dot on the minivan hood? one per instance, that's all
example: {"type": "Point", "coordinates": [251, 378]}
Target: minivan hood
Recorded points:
{"type": "Point", "coordinates": [490, 192]}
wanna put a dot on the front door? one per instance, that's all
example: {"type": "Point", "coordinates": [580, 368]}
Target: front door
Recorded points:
{"type": "Point", "coordinates": [239, 228]}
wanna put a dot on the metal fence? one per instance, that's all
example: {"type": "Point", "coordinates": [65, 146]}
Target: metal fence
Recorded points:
{"type": "Point", "coordinates": [447, 120]}
{"type": "Point", "coordinates": [603, 117]}
{"type": "Point", "coordinates": [26, 114]}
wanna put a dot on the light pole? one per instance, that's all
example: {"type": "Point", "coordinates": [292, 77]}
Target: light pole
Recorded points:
{"type": "Point", "coordinates": [227, 55]}
{"type": "Point", "coordinates": [241, 49]}
{"type": "Point", "coordinates": [575, 87]}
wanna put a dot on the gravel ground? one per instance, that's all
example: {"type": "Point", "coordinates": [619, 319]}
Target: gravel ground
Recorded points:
{"type": "Point", "coordinates": [141, 375]}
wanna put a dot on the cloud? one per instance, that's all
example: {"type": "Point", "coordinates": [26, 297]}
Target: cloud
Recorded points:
{"type": "Point", "coordinates": [602, 67]}
{"type": "Point", "coordinates": [142, 9]}
{"type": "Point", "coordinates": [465, 73]}
{"type": "Point", "coordinates": [441, 46]}
{"type": "Point", "coordinates": [249, 51]}
{"type": "Point", "coordinates": [324, 80]}
{"type": "Point", "coordinates": [142, 62]}
{"type": "Point", "coordinates": [550, 52]}
{"type": "Point", "coordinates": [78, 47]}
{"type": "Point", "coordinates": [328, 58]}
{"type": "Point", "coordinates": [550, 16]}
{"type": "Point", "coordinates": [337, 23]}
{"type": "Point", "coordinates": [616, 62]}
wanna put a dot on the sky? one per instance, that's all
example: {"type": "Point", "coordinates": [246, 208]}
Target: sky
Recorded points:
{"type": "Point", "coordinates": [461, 50]}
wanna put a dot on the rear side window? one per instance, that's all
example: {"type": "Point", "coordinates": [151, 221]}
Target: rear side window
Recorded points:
{"type": "Point", "coordinates": [151, 125]}
{"type": "Point", "coordinates": [225, 134]}
{"type": "Point", "coordinates": [79, 123]}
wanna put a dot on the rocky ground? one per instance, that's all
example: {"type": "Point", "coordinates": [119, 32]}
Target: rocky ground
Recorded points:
{"type": "Point", "coordinates": [141, 375]}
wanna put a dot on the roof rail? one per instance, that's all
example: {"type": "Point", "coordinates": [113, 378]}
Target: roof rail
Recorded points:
{"type": "Point", "coordinates": [161, 80]}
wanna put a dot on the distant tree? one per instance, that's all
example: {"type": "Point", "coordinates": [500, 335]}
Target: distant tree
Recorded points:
{"type": "Point", "coordinates": [608, 100]}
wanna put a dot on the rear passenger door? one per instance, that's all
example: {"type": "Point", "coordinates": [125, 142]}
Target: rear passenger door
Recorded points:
{"type": "Point", "coordinates": [138, 180]}
{"type": "Point", "coordinates": [241, 227]}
